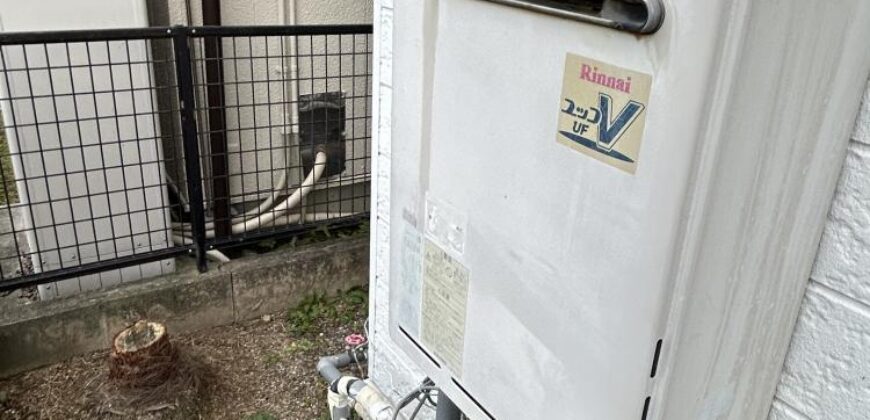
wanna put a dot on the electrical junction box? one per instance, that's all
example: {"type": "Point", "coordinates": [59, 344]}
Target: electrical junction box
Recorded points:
{"type": "Point", "coordinates": [321, 128]}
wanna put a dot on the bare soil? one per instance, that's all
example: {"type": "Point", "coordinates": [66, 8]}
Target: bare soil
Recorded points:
{"type": "Point", "coordinates": [258, 370]}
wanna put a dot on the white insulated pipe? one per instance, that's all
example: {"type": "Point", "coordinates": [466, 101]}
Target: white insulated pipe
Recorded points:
{"type": "Point", "coordinates": [292, 201]}
{"type": "Point", "coordinates": [267, 203]}
{"type": "Point", "coordinates": [287, 13]}
{"type": "Point", "coordinates": [268, 217]}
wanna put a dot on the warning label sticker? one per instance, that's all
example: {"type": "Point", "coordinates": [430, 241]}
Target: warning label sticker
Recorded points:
{"type": "Point", "coordinates": [603, 111]}
{"type": "Point", "coordinates": [445, 295]}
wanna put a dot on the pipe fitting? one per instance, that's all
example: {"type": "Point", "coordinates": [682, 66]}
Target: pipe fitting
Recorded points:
{"type": "Point", "coordinates": [329, 366]}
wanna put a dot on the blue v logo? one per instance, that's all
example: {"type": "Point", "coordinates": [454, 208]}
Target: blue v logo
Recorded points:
{"type": "Point", "coordinates": [610, 131]}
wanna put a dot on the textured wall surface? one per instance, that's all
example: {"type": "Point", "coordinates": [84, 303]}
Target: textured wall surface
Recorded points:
{"type": "Point", "coordinates": [269, 145]}
{"type": "Point", "coordinates": [827, 371]}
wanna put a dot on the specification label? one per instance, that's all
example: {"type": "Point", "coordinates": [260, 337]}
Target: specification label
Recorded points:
{"type": "Point", "coordinates": [445, 296]}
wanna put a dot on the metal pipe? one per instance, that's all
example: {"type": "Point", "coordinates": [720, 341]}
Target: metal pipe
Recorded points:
{"type": "Point", "coordinates": [184, 75]}
{"type": "Point", "coordinates": [446, 410]}
{"type": "Point", "coordinates": [214, 79]}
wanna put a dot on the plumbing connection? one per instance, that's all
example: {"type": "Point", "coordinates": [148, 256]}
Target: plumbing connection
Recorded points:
{"type": "Point", "coordinates": [349, 394]}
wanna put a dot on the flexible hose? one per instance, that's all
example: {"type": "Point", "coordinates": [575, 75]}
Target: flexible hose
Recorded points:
{"type": "Point", "coordinates": [217, 256]}
{"type": "Point", "coordinates": [183, 233]}
{"type": "Point", "coordinates": [212, 253]}
{"type": "Point", "coordinates": [292, 201]}
{"type": "Point", "coordinates": [265, 218]}
{"type": "Point", "coordinates": [276, 192]}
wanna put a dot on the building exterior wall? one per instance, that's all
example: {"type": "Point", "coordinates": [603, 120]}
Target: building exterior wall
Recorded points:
{"type": "Point", "coordinates": [257, 155]}
{"type": "Point", "coordinates": [267, 12]}
{"type": "Point", "coordinates": [827, 370]}
{"type": "Point", "coordinates": [88, 193]}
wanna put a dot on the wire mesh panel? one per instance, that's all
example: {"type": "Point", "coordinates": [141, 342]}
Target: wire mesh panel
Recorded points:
{"type": "Point", "coordinates": [284, 128]}
{"type": "Point", "coordinates": [82, 174]}
{"type": "Point", "coordinates": [124, 148]}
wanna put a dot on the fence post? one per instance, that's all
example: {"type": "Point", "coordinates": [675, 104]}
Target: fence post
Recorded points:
{"type": "Point", "coordinates": [184, 76]}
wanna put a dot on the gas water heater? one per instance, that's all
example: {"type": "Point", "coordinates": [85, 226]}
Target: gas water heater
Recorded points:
{"type": "Point", "coordinates": [543, 166]}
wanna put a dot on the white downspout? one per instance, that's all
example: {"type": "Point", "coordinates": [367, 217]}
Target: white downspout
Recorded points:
{"type": "Point", "coordinates": [287, 12]}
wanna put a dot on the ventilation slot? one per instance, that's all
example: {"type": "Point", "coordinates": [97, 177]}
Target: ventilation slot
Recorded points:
{"type": "Point", "coordinates": [419, 347]}
{"type": "Point", "coordinates": [655, 363]}
{"type": "Point", "coordinates": [645, 408]}
{"type": "Point", "coordinates": [467, 395]}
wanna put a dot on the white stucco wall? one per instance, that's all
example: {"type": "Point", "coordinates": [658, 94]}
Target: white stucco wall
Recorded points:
{"type": "Point", "coordinates": [827, 370]}
{"type": "Point", "coordinates": [256, 156]}
{"type": "Point", "coordinates": [266, 12]}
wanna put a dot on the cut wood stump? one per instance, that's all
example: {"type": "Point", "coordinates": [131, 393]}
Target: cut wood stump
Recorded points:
{"type": "Point", "coordinates": [142, 356]}
{"type": "Point", "coordinates": [147, 373]}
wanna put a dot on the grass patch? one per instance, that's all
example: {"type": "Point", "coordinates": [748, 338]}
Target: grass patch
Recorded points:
{"type": "Point", "coordinates": [302, 345]}
{"type": "Point", "coordinates": [306, 317]}
{"type": "Point", "coordinates": [262, 415]}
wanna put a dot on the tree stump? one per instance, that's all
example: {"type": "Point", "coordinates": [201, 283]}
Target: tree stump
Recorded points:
{"type": "Point", "coordinates": [142, 356]}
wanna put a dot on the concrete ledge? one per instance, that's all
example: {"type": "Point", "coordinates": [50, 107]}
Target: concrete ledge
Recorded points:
{"type": "Point", "coordinates": [48, 332]}
{"type": "Point", "coordinates": [272, 282]}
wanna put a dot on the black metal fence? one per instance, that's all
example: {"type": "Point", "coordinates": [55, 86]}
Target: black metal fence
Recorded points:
{"type": "Point", "coordinates": [125, 148]}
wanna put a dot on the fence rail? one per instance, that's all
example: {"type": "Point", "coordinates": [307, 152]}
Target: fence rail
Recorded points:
{"type": "Point", "coordinates": [125, 148]}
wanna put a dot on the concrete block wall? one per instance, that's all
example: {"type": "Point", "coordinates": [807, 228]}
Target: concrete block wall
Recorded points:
{"type": "Point", "coordinates": [827, 371]}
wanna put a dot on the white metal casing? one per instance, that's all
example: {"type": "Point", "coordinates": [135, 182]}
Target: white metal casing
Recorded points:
{"type": "Point", "coordinates": [113, 232]}
{"type": "Point", "coordinates": [571, 261]}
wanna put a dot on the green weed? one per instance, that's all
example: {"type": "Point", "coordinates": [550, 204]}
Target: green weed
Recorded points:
{"type": "Point", "coordinates": [303, 319]}
{"type": "Point", "coordinates": [306, 317]}
{"type": "Point", "coordinates": [262, 415]}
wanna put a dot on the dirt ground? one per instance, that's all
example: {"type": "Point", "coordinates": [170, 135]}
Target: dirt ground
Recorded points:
{"type": "Point", "coordinates": [259, 370]}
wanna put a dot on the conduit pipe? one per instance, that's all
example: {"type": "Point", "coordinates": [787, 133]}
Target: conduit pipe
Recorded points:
{"type": "Point", "coordinates": [212, 253]}
{"type": "Point", "coordinates": [184, 229]}
{"type": "Point", "coordinates": [217, 256]}
{"type": "Point", "coordinates": [292, 201]}
{"type": "Point", "coordinates": [287, 12]}
{"type": "Point", "coordinates": [267, 203]}
{"type": "Point", "coordinates": [214, 91]}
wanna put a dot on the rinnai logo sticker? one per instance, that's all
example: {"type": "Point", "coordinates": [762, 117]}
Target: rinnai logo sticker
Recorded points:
{"type": "Point", "coordinates": [603, 111]}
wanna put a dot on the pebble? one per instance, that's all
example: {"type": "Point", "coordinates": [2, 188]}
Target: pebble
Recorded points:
{"type": "Point", "coordinates": [267, 318]}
